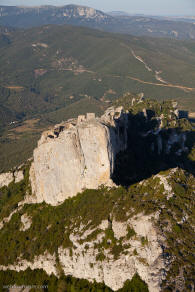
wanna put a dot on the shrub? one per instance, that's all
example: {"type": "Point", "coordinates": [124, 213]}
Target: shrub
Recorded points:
{"type": "Point", "coordinates": [131, 232]}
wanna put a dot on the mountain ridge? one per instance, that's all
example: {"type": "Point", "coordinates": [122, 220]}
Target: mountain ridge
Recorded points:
{"type": "Point", "coordinates": [86, 16]}
{"type": "Point", "coordinates": [109, 235]}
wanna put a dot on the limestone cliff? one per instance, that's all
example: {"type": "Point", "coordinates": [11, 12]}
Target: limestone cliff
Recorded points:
{"type": "Point", "coordinates": [8, 177]}
{"type": "Point", "coordinates": [107, 234]}
{"type": "Point", "coordinates": [83, 263]}
{"type": "Point", "coordinates": [78, 154]}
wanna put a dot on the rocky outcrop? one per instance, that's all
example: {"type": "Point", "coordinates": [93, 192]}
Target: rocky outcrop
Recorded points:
{"type": "Point", "coordinates": [161, 144]}
{"type": "Point", "coordinates": [26, 222]}
{"type": "Point", "coordinates": [46, 262]}
{"type": "Point", "coordinates": [18, 176]}
{"type": "Point", "coordinates": [146, 258]}
{"type": "Point", "coordinates": [78, 154]}
{"type": "Point", "coordinates": [174, 139]}
{"type": "Point", "coordinates": [7, 178]}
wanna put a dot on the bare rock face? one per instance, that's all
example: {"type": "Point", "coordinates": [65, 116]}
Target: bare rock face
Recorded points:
{"type": "Point", "coordinates": [45, 262]}
{"type": "Point", "coordinates": [147, 261]}
{"type": "Point", "coordinates": [8, 177]}
{"type": "Point", "coordinates": [78, 154]}
{"type": "Point", "coordinates": [26, 222]}
{"type": "Point", "coordinates": [18, 175]}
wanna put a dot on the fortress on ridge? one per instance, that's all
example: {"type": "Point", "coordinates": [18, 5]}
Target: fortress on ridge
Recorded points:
{"type": "Point", "coordinates": [78, 154]}
{"type": "Point", "coordinates": [81, 153]}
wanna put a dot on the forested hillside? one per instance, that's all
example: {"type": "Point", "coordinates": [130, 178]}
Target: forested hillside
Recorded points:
{"type": "Point", "coordinates": [53, 72]}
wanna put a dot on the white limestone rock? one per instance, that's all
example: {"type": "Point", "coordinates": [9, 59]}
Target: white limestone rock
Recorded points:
{"type": "Point", "coordinates": [82, 262]}
{"type": "Point", "coordinates": [47, 262]}
{"type": "Point", "coordinates": [18, 175]}
{"type": "Point", "coordinates": [167, 186]}
{"type": "Point", "coordinates": [148, 262]}
{"type": "Point", "coordinates": [119, 229]}
{"type": "Point", "coordinates": [104, 225]}
{"type": "Point", "coordinates": [78, 155]}
{"type": "Point", "coordinates": [26, 222]}
{"type": "Point", "coordinates": [6, 179]}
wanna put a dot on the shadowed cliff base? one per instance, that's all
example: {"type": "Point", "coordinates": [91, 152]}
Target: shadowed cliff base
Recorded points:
{"type": "Point", "coordinates": [151, 150]}
{"type": "Point", "coordinates": [104, 232]}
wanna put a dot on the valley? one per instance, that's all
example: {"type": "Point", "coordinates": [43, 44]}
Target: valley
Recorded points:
{"type": "Point", "coordinates": [97, 151]}
{"type": "Point", "coordinates": [48, 71]}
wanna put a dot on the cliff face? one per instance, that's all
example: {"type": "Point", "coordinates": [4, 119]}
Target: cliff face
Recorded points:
{"type": "Point", "coordinates": [106, 234]}
{"type": "Point", "coordinates": [82, 263]}
{"type": "Point", "coordinates": [147, 262]}
{"type": "Point", "coordinates": [78, 154]}
{"type": "Point", "coordinates": [82, 154]}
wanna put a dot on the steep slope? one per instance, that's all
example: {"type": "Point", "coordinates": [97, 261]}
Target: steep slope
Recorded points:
{"type": "Point", "coordinates": [91, 144]}
{"type": "Point", "coordinates": [110, 234]}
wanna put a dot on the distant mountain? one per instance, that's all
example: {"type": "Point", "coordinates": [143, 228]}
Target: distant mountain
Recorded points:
{"type": "Point", "coordinates": [153, 26]}
{"type": "Point", "coordinates": [118, 13]}
{"type": "Point", "coordinates": [189, 19]}
{"type": "Point", "coordinates": [118, 22]}
{"type": "Point", "coordinates": [35, 16]}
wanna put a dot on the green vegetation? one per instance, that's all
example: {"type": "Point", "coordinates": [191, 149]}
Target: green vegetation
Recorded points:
{"type": "Point", "coordinates": [144, 240]}
{"type": "Point", "coordinates": [52, 226]}
{"type": "Point", "coordinates": [64, 283]}
{"type": "Point", "coordinates": [179, 189]}
{"type": "Point", "coordinates": [17, 149]}
{"type": "Point", "coordinates": [92, 206]}
{"type": "Point", "coordinates": [49, 73]}
{"type": "Point", "coordinates": [10, 196]}
{"type": "Point", "coordinates": [17, 146]}
{"type": "Point", "coordinates": [180, 28]}
{"type": "Point", "coordinates": [46, 48]}
{"type": "Point", "coordinates": [165, 110]}
{"type": "Point", "coordinates": [131, 232]}
{"type": "Point", "coordinates": [153, 127]}
{"type": "Point", "coordinates": [135, 285]}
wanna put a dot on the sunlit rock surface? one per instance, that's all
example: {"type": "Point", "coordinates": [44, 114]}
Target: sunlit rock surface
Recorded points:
{"type": "Point", "coordinates": [78, 154]}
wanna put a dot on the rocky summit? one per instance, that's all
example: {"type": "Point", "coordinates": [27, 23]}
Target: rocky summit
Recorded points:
{"type": "Point", "coordinates": [78, 154]}
{"type": "Point", "coordinates": [106, 203]}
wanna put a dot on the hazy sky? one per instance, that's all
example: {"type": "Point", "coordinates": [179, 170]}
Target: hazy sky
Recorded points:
{"type": "Point", "coordinates": [163, 7]}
